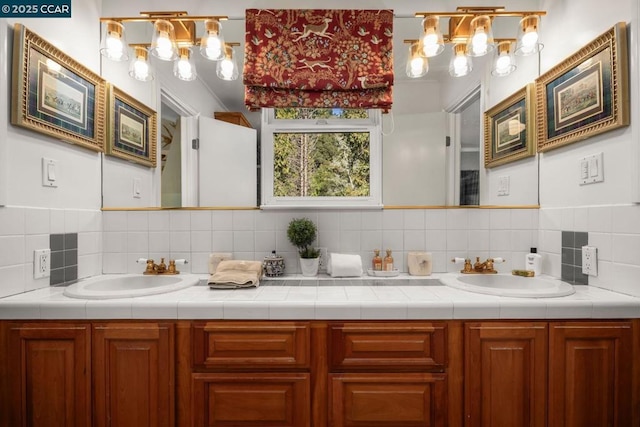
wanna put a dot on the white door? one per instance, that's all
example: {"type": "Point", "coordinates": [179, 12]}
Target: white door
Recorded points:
{"type": "Point", "coordinates": [227, 164]}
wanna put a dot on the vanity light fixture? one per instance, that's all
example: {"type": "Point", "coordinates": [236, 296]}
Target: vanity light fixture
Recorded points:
{"type": "Point", "coordinates": [174, 39]}
{"type": "Point", "coordinates": [140, 69]}
{"type": "Point", "coordinates": [114, 45]}
{"type": "Point", "coordinates": [471, 34]}
{"type": "Point", "coordinates": [184, 67]}
{"type": "Point", "coordinates": [227, 68]}
{"type": "Point", "coordinates": [417, 62]}
{"type": "Point", "coordinates": [460, 64]}
{"type": "Point", "coordinates": [503, 61]}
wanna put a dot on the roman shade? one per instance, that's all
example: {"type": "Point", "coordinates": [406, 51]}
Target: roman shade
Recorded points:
{"type": "Point", "coordinates": [318, 58]}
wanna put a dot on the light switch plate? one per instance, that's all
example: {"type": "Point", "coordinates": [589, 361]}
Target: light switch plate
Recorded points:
{"type": "Point", "coordinates": [591, 169]}
{"type": "Point", "coordinates": [49, 172]}
{"type": "Point", "coordinates": [503, 185]}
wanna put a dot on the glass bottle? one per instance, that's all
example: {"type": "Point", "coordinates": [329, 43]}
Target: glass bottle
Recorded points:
{"type": "Point", "coordinates": [377, 260]}
{"type": "Point", "coordinates": [387, 262]}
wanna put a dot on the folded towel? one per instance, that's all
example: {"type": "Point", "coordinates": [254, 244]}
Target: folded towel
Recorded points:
{"type": "Point", "coordinates": [344, 265]}
{"type": "Point", "coordinates": [216, 258]}
{"type": "Point", "coordinates": [236, 274]}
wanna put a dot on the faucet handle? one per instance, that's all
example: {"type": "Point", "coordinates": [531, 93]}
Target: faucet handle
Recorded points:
{"type": "Point", "coordinates": [458, 260]}
{"type": "Point", "coordinates": [141, 261]}
{"type": "Point", "coordinates": [498, 259]}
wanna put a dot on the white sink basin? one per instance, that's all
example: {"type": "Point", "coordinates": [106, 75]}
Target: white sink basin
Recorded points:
{"type": "Point", "coordinates": [128, 285]}
{"type": "Point", "coordinates": [508, 285]}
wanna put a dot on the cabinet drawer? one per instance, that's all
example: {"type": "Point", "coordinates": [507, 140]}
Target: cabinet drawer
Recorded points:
{"type": "Point", "coordinates": [397, 346]}
{"type": "Point", "coordinates": [250, 345]}
{"type": "Point", "coordinates": [251, 400]}
{"type": "Point", "coordinates": [388, 400]}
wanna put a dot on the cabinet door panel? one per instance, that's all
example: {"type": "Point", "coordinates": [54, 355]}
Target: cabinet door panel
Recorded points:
{"type": "Point", "coordinates": [49, 375]}
{"type": "Point", "coordinates": [133, 375]}
{"type": "Point", "coordinates": [388, 400]}
{"type": "Point", "coordinates": [506, 374]}
{"type": "Point", "coordinates": [251, 400]}
{"type": "Point", "coordinates": [590, 373]}
{"type": "Point", "coordinates": [388, 346]}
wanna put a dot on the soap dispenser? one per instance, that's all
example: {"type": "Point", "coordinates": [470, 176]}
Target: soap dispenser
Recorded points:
{"type": "Point", "coordinates": [533, 262]}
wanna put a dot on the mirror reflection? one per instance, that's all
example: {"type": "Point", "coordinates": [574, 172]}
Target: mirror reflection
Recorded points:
{"type": "Point", "coordinates": [432, 149]}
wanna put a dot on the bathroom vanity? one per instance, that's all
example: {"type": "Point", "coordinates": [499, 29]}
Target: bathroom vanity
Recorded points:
{"type": "Point", "coordinates": [402, 356]}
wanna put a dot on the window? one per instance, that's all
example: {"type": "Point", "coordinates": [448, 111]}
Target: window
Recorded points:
{"type": "Point", "coordinates": [321, 158]}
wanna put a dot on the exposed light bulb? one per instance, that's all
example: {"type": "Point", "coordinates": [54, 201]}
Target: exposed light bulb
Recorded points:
{"type": "Point", "coordinates": [214, 47]}
{"type": "Point", "coordinates": [185, 70]}
{"type": "Point", "coordinates": [226, 69]}
{"type": "Point", "coordinates": [460, 64]}
{"type": "Point", "coordinates": [164, 48]}
{"type": "Point", "coordinates": [529, 41]}
{"type": "Point", "coordinates": [115, 48]}
{"type": "Point", "coordinates": [503, 62]}
{"type": "Point", "coordinates": [479, 43]}
{"type": "Point", "coordinates": [430, 46]}
{"type": "Point", "coordinates": [416, 67]}
{"type": "Point", "coordinates": [140, 70]}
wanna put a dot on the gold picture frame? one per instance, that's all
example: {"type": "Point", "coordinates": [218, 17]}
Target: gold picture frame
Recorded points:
{"type": "Point", "coordinates": [586, 94]}
{"type": "Point", "coordinates": [55, 95]}
{"type": "Point", "coordinates": [509, 131]}
{"type": "Point", "coordinates": [131, 129]}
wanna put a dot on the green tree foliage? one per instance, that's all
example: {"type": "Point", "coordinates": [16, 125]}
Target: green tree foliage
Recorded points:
{"type": "Point", "coordinates": [308, 164]}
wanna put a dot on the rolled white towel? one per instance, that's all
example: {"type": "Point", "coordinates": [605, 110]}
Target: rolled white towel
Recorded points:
{"type": "Point", "coordinates": [344, 265]}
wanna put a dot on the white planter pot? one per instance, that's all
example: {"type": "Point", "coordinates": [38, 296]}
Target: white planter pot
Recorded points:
{"type": "Point", "coordinates": [309, 266]}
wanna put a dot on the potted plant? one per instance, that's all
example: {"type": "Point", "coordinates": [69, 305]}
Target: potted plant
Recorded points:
{"type": "Point", "coordinates": [302, 233]}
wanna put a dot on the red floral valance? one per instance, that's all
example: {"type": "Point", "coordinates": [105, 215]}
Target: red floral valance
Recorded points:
{"type": "Point", "coordinates": [318, 58]}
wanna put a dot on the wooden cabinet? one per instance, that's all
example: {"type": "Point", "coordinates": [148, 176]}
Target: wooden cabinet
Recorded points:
{"type": "Point", "coordinates": [320, 373]}
{"type": "Point", "coordinates": [133, 374]}
{"type": "Point", "coordinates": [590, 374]}
{"type": "Point", "coordinates": [387, 374]}
{"type": "Point", "coordinates": [251, 399]}
{"type": "Point", "coordinates": [237, 118]}
{"type": "Point", "coordinates": [581, 371]}
{"type": "Point", "coordinates": [251, 374]}
{"type": "Point", "coordinates": [388, 400]}
{"type": "Point", "coordinates": [506, 374]}
{"type": "Point", "coordinates": [46, 375]}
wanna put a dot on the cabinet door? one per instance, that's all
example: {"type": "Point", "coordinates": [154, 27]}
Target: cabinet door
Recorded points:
{"type": "Point", "coordinates": [48, 375]}
{"type": "Point", "coordinates": [387, 400]}
{"type": "Point", "coordinates": [251, 400]}
{"type": "Point", "coordinates": [133, 374]}
{"type": "Point", "coordinates": [506, 374]}
{"type": "Point", "coordinates": [590, 374]}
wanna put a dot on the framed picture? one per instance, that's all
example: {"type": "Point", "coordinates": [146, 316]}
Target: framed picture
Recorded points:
{"type": "Point", "coordinates": [509, 132]}
{"type": "Point", "coordinates": [54, 94]}
{"type": "Point", "coordinates": [586, 94]}
{"type": "Point", "coordinates": [131, 133]}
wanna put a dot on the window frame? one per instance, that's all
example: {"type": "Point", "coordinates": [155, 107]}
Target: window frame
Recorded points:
{"type": "Point", "coordinates": [271, 126]}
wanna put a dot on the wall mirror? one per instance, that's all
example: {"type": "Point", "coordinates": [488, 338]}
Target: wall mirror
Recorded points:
{"type": "Point", "coordinates": [432, 143]}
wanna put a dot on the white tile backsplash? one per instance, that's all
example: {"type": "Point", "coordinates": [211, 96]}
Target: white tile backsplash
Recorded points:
{"type": "Point", "coordinates": [111, 241]}
{"type": "Point", "coordinates": [37, 221]}
{"type": "Point", "coordinates": [201, 220]}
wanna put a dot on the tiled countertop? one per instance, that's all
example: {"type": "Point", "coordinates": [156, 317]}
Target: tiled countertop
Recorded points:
{"type": "Point", "coordinates": [398, 298]}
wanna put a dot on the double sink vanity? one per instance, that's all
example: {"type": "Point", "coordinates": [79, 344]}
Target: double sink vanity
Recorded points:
{"type": "Point", "coordinates": [442, 350]}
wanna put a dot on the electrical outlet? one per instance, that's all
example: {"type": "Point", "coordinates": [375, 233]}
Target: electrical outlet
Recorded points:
{"type": "Point", "coordinates": [41, 263]}
{"type": "Point", "coordinates": [590, 260]}
{"type": "Point", "coordinates": [324, 257]}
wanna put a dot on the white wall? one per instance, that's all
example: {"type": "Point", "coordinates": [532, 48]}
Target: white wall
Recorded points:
{"type": "Point", "coordinates": [559, 168]}
{"type": "Point", "coordinates": [22, 149]}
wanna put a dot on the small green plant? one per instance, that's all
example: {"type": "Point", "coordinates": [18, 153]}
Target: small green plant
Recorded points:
{"type": "Point", "coordinates": [302, 233]}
